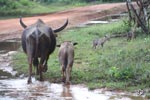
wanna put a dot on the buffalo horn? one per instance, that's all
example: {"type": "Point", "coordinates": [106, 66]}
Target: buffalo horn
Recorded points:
{"type": "Point", "coordinates": [62, 27]}
{"type": "Point", "coordinates": [21, 23]}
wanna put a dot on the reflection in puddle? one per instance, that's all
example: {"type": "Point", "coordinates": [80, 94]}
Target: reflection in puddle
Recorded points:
{"type": "Point", "coordinates": [17, 88]}
{"type": "Point", "coordinates": [66, 92]}
{"type": "Point", "coordinates": [104, 20]}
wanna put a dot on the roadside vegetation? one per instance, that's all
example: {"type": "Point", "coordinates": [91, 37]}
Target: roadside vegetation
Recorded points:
{"type": "Point", "coordinates": [16, 8]}
{"type": "Point", "coordinates": [120, 64]}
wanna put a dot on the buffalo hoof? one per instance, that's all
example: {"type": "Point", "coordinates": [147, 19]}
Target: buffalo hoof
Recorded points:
{"type": "Point", "coordinates": [67, 83]}
{"type": "Point", "coordinates": [37, 73]}
{"type": "Point", "coordinates": [29, 82]}
{"type": "Point", "coordinates": [41, 79]}
{"type": "Point", "coordinates": [63, 80]}
{"type": "Point", "coordinates": [45, 68]}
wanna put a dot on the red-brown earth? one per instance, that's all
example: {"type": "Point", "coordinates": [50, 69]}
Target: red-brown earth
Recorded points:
{"type": "Point", "coordinates": [10, 28]}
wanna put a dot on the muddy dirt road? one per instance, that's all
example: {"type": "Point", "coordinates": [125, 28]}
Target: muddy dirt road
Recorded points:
{"type": "Point", "coordinates": [11, 28]}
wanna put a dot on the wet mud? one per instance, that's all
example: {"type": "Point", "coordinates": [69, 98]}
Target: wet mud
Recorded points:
{"type": "Point", "coordinates": [9, 45]}
{"type": "Point", "coordinates": [12, 88]}
{"type": "Point", "coordinates": [104, 20]}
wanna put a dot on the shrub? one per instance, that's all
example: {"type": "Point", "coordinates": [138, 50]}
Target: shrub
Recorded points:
{"type": "Point", "coordinates": [14, 7]}
{"type": "Point", "coordinates": [124, 73]}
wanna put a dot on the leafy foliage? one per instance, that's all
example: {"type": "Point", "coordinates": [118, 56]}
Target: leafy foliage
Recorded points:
{"type": "Point", "coordinates": [15, 4]}
{"type": "Point", "coordinates": [14, 7]}
{"type": "Point", "coordinates": [33, 7]}
{"type": "Point", "coordinates": [68, 1]}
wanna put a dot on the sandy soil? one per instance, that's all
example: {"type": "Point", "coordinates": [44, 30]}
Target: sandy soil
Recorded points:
{"type": "Point", "coordinates": [11, 28]}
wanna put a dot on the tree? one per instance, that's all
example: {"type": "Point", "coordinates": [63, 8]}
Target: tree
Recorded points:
{"type": "Point", "coordinates": [139, 13]}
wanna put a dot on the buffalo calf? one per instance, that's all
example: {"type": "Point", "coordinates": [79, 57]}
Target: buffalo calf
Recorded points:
{"type": "Point", "coordinates": [66, 59]}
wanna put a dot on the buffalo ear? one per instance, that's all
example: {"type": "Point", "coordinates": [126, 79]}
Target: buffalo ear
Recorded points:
{"type": "Point", "coordinates": [58, 45]}
{"type": "Point", "coordinates": [75, 43]}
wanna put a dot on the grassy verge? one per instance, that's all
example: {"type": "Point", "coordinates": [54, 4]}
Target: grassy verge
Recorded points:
{"type": "Point", "coordinates": [34, 8]}
{"type": "Point", "coordinates": [16, 8]}
{"type": "Point", "coordinates": [118, 65]}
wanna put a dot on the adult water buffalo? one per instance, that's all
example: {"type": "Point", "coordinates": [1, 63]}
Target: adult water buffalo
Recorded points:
{"type": "Point", "coordinates": [39, 41]}
{"type": "Point", "coordinates": [66, 59]}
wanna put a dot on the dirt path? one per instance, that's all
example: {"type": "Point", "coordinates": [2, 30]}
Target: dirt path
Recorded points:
{"type": "Point", "coordinates": [11, 28]}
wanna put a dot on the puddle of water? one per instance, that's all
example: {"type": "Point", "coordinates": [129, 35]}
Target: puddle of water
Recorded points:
{"type": "Point", "coordinates": [7, 48]}
{"type": "Point", "coordinates": [6, 71]}
{"type": "Point", "coordinates": [112, 17]}
{"type": "Point", "coordinates": [104, 20]}
{"type": "Point", "coordinates": [5, 75]}
{"type": "Point", "coordinates": [117, 95]}
{"type": "Point", "coordinates": [18, 89]}
{"type": "Point", "coordinates": [9, 45]}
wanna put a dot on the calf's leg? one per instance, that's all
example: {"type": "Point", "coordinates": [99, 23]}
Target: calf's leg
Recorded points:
{"type": "Point", "coordinates": [63, 74]}
{"type": "Point", "coordinates": [68, 69]}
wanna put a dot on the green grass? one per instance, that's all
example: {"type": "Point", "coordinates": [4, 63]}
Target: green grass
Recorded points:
{"type": "Point", "coordinates": [118, 65]}
{"type": "Point", "coordinates": [37, 9]}
{"type": "Point", "coordinates": [54, 7]}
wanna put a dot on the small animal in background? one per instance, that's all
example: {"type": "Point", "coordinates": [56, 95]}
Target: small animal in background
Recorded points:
{"type": "Point", "coordinates": [101, 41]}
{"type": "Point", "coordinates": [129, 35]}
{"type": "Point", "coordinates": [66, 59]}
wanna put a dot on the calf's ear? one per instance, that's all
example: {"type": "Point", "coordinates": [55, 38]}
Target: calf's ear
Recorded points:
{"type": "Point", "coordinates": [58, 45]}
{"type": "Point", "coordinates": [75, 43]}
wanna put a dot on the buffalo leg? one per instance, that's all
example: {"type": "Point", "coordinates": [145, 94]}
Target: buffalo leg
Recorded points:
{"type": "Point", "coordinates": [30, 70]}
{"type": "Point", "coordinates": [63, 74]}
{"type": "Point", "coordinates": [41, 67]}
{"type": "Point", "coordinates": [36, 63]}
{"type": "Point", "coordinates": [30, 50]}
{"type": "Point", "coordinates": [45, 68]}
{"type": "Point", "coordinates": [68, 74]}
{"type": "Point", "coordinates": [40, 70]}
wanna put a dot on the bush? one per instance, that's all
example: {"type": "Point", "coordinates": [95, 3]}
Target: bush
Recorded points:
{"type": "Point", "coordinates": [121, 74]}
{"type": "Point", "coordinates": [15, 4]}
{"type": "Point", "coordinates": [14, 7]}
{"type": "Point", "coordinates": [70, 1]}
